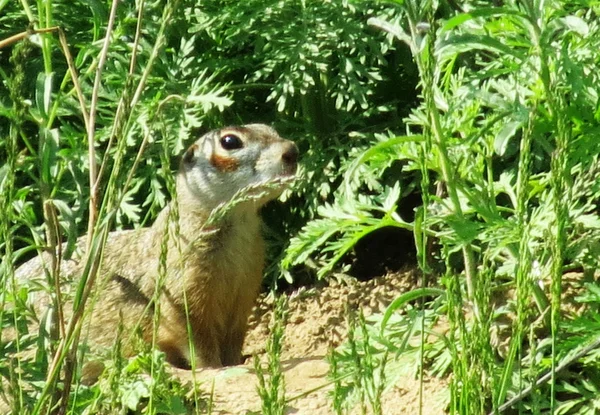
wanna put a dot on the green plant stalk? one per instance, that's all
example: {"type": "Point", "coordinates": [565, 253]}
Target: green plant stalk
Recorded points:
{"type": "Point", "coordinates": [136, 40]}
{"type": "Point", "coordinates": [74, 327]}
{"type": "Point", "coordinates": [15, 86]}
{"type": "Point", "coordinates": [550, 375]}
{"type": "Point", "coordinates": [451, 187]}
{"type": "Point", "coordinates": [160, 282]}
{"type": "Point", "coordinates": [93, 260]}
{"type": "Point", "coordinates": [558, 176]}
{"type": "Point", "coordinates": [358, 372]}
{"type": "Point", "coordinates": [53, 247]}
{"type": "Point", "coordinates": [158, 289]}
{"type": "Point", "coordinates": [114, 197]}
{"type": "Point", "coordinates": [123, 121]}
{"type": "Point", "coordinates": [469, 394]}
{"type": "Point", "coordinates": [49, 213]}
{"type": "Point", "coordinates": [456, 320]}
{"type": "Point", "coordinates": [523, 272]}
{"type": "Point", "coordinates": [559, 170]}
{"type": "Point", "coordinates": [533, 370]}
{"type": "Point", "coordinates": [374, 388]}
{"type": "Point", "coordinates": [426, 64]}
{"type": "Point", "coordinates": [160, 38]}
{"type": "Point", "coordinates": [88, 279]}
{"type": "Point", "coordinates": [482, 347]}
{"type": "Point", "coordinates": [116, 375]}
{"type": "Point", "coordinates": [72, 73]}
{"type": "Point", "coordinates": [45, 21]}
{"type": "Point", "coordinates": [28, 11]}
{"type": "Point", "coordinates": [422, 245]}
{"type": "Point", "coordinates": [464, 397]}
{"type": "Point", "coordinates": [338, 398]}
{"type": "Point", "coordinates": [272, 389]}
{"type": "Point", "coordinates": [91, 127]}
{"type": "Point", "coordinates": [422, 241]}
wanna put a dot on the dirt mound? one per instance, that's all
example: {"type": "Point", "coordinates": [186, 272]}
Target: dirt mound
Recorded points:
{"type": "Point", "coordinates": [316, 320]}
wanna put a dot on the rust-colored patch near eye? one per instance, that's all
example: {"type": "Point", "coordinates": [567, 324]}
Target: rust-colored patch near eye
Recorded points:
{"type": "Point", "coordinates": [224, 163]}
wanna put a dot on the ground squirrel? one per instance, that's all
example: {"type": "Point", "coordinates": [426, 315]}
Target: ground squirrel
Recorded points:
{"type": "Point", "coordinates": [217, 268]}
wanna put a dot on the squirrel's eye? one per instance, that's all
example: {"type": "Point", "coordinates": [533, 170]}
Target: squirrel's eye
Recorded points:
{"type": "Point", "coordinates": [231, 142]}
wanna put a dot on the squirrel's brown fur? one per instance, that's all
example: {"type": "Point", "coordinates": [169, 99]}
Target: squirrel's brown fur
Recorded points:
{"type": "Point", "coordinates": [216, 267]}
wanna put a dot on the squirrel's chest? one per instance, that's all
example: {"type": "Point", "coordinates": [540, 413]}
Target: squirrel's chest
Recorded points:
{"type": "Point", "coordinates": [225, 281]}
{"type": "Point", "coordinates": [241, 256]}
{"type": "Point", "coordinates": [231, 263]}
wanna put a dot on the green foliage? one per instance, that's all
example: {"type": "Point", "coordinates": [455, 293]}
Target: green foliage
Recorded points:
{"type": "Point", "coordinates": [354, 219]}
{"type": "Point", "coordinates": [271, 386]}
{"type": "Point", "coordinates": [120, 91]}
{"type": "Point", "coordinates": [140, 93]}
{"type": "Point", "coordinates": [507, 128]}
{"type": "Point", "coordinates": [314, 69]}
{"type": "Point", "coordinates": [319, 63]}
{"type": "Point", "coordinates": [385, 348]}
{"type": "Point", "coordinates": [501, 147]}
{"type": "Point", "coordinates": [142, 385]}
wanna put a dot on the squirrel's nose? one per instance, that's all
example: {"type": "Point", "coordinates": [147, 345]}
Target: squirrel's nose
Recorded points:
{"type": "Point", "coordinates": [290, 155]}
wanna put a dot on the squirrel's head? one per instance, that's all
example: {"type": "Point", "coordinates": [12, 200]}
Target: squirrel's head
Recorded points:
{"type": "Point", "coordinates": [250, 161]}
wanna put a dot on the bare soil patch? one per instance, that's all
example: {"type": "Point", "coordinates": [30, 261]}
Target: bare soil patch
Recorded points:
{"type": "Point", "coordinates": [316, 321]}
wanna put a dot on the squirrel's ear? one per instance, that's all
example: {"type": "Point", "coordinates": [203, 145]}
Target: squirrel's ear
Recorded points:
{"type": "Point", "coordinates": [190, 154]}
